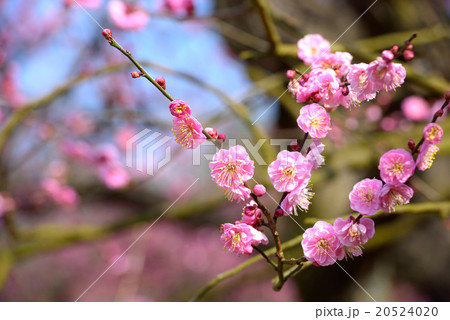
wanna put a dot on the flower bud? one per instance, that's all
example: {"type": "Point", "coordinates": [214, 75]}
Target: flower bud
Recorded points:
{"type": "Point", "coordinates": [316, 97]}
{"type": "Point", "coordinates": [387, 55]}
{"type": "Point", "coordinates": [278, 213]}
{"type": "Point", "coordinates": [411, 144]}
{"type": "Point", "coordinates": [221, 137]}
{"type": "Point", "coordinates": [252, 215]}
{"type": "Point", "coordinates": [345, 91]}
{"type": "Point", "coordinates": [212, 132]}
{"type": "Point", "coordinates": [136, 74]}
{"type": "Point", "coordinates": [107, 34]}
{"type": "Point", "coordinates": [394, 49]}
{"type": "Point", "coordinates": [408, 55]}
{"type": "Point", "coordinates": [259, 190]}
{"type": "Point", "coordinates": [439, 113]}
{"type": "Point", "coordinates": [294, 146]}
{"type": "Point", "coordinates": [409, 46]}
{"type": "Point", "coordinates": [161, 81]}
{"type": "Point", "coordinates": [290, 74]}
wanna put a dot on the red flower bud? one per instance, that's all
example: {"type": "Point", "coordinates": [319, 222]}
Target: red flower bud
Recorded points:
{"type": "Point", "coordinates": [408, 55]}
{"type": "Point", "coordinates": [394, 49]}
{"type": "Point", "coordinates": [136, 74]}
{"type": "Point", "coordinates": [106, 33]}
{"type": "Point", "coordinates": [278, 213]}
{"type": "Point", "coordinates": [161, 81]}
{"type": "Point", "coordinates": [411, 144]}
{"type": "Point", "coordinates": [221, 138]}
{"type": "Point", "coordinates": [290, 74]}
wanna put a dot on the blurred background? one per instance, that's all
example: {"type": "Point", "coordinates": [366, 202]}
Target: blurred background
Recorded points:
{"type": "Point", "coordinates": [69, 207]}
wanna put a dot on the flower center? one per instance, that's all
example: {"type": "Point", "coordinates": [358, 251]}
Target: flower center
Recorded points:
{"type": "Point", "coordinates": [231, 167]}
{"type": "Point", "coordinates": [323, 244]}
{"type": "Point", "coordinates": [289, 172]}
{"type": "Point", "coordinates": [433, 133]}
{"type": "Point", "coordinates": [236, 239]}
{"type": "Point", "coordinates": [397, 167]}
{"type": "Point", "coordinates": [179, 108]}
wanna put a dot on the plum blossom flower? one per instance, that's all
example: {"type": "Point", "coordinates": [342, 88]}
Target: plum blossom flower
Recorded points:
{"type": "Point", "coordinates": [188, 132]}
{"type": "Point", "coordinates": [299, 198]}
{"type": "Point", "coordinates": [360, 85]}
{"type": "Point", "coordinates": [393, 195]}
{"type": "Point", "coordinates": [354, 233]}
{"type": "Point", "coordinates": [127, 16]}
{"type": "Point", "coordinates": [385, 75]}
{"type": "Point", "coordinates": [252, 215]}
{"type": "Point", "coordinates": [396, 166]}
{"type": "Point", "coordinates": [321, 244]}
{"type": "Point", "coordinates": [426, 156]}
{"type": "Point", "coordinates": [311, 47]}
{"type": "Point", "coordinates": [239, 237]}
{"type": "Point", "coordinates": [415, 108]}
{"type": "Point", "coordinates": [364, 197]}
{"type": "Point", "coordinates": [289, 170]}
{"type": "Point", "coordinates": [314, 155]}
{"type": "Point", "coordinates": [338, 61]}
{"type": "Point", "coordinates": [230, 169]}
{"type": "Point", "coordinates": [179, 109]}
{"type": "Point", "coordinates": [315, 120]}
{"type": "Point", "coordinates": [433, 133]}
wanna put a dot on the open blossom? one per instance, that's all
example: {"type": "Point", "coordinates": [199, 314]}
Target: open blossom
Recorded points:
{"type": "Point", "coordinates": [364, 197]}
{"type": "Point", "coordinates": [354, 233]}
{"type": "Point", "coordinates": [127, 16]}
{"type": "Point", "coordinates": [426, 156]}
{"type": "Point", "coordinates": [393, 195]}
{"type": "Point", "coordinates": [299, 198]}
{"type": "Point", "coordinates": [396, 166]}
{"type": "Point", "coordinates": [239, 237]}
{"type": "Point", "coordinates": [360, 85]}
{"type": "Point", "coordinates": [289, 170]}
{"type": "Point", "coordinates": [328, 85]}
{"type": "Point", "coordinates": [314, 155]}
{"type": "Point", "coordinates": [179, 109]}
{"type": "Point", "coordinates": [311, 47]}
{"type": "Point", "coordinates": [315, 120]}
{"type": "Point", "coordinates": [385, 75]}
{"type": "Point", "coordinates": [230, 169]}
{"type": "Point", "coordinates": [338, 61]}
{"type": "Point", "coordinates": [321, 244]}
{"type": "Point", "coordinates": [433, 133]}
{"type": "Point", "coordinates": [188, 132]}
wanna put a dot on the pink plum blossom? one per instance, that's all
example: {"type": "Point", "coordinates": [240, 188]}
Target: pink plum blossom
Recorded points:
{"type": "Point", "coordinates": [299, 198]}
{"type": "Point", "coordinates": [385, 75]}
{"type": "Point", "coordinates": [433, 133]}
{"type": "Point", "coordinates": [416, 108]}
{"type": "Point", "coordinates": [354, 233]}
{"type": "Point", "coordinates": [393, 195]}
{"type": "Point", "coordinates": [364, 197]}
{"type": "Point", "coordinates": [59, 193]}
{"type": "Point", "coordinates": [127, 16]}
{"type": "Point", "coordinates": [179, 109]}
{"type": "Point", "coordinates": [114, 176]}
{"type": "Point", "coordinates": [314, 155]}
{"type": "Point", "coordinates": [360, 85]}
{"type": "Point", "coordinates": [427, 153]}
{"type": "Point", "coordinates": [311, 47]}
{"type": "Point", "coordinates": [396, 166]}
{"type": "Point", "coordinates": [78, 150]}
{"type": "Point", "coordinates": [239, 237]}
{"type": "Point", "coordinates": [315, 120]}
{"type": "Point", "coordinates": [188, 132]}
{"type": "Point", "coordinates": [230, 169]}
{"type": "Point", "coordinates": [338, 61]}
{"type": "Point", "coordinates": [289, 170]}
{"type": "Point", "coordinates": [252, 215]}
{"type": "Point", "coordinates": [321, 244]}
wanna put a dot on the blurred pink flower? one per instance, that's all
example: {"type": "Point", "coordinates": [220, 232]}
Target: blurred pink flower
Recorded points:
{"type": "Point", "coordinates": [240, 237]}
{"type": "Point", "coordinates": [79, 123]}
{"type": "Point", "coordinates": [427, 153]}
{"type": "Point", "coordinates": [393, 195]}
{"type": "Point", "coordinates": [416, 108]}
{"type": "Point", "coordinates": [315, 120]}
{"type": "Point", "coordinates": [60, 194]}
{"type": "Point", "coordinates": [78, 150]}
{"type": "Point", "coordinates": [188, 132]}
{"type": "Point", "coordinates": [127, 16]}
{"type": "Point", "coordinates": [114, 176]}
{"type": "Point", "coordinates": [396, 166]}
{"type": "Point", "coordinates": [311, 47]}
{"type": "Point", "coordinates": [179, 7]}
{"type": "Point", "coordinates": [321, 244]}
{"type": "Point", "coordinates": [314, 155]}
{"type": "Point", "coordinates": [364, 197]}
{"type": "Point", "coordinates": [433, 133]}
{"type": "Point", "coordinates": [289, 170]}
{"type": "Point", "coordinates": [123, 134]}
